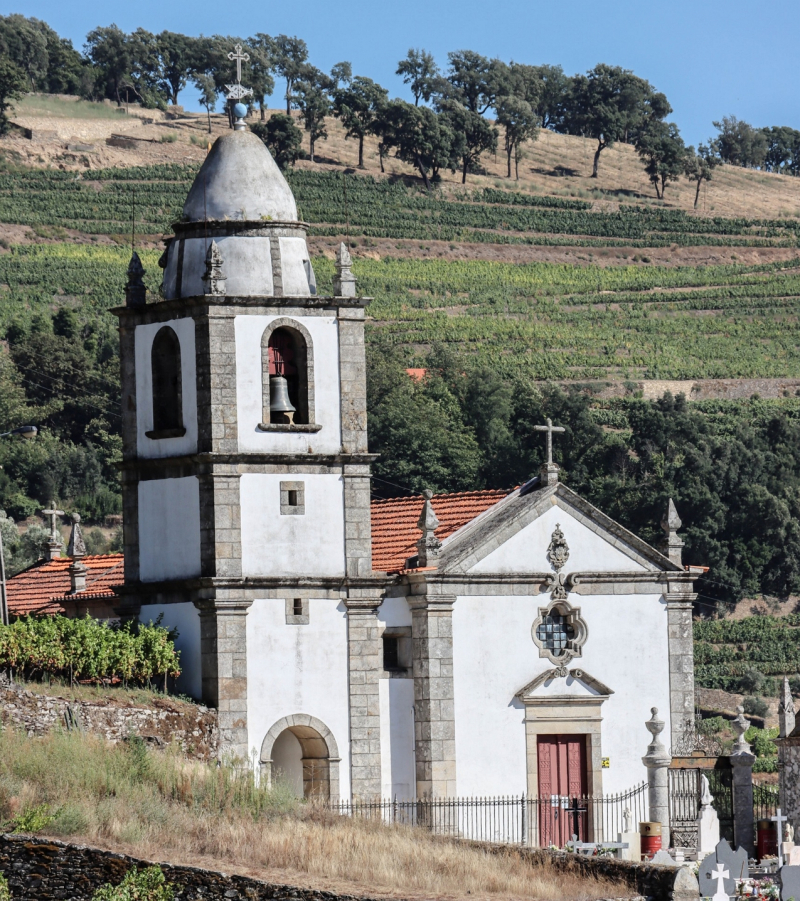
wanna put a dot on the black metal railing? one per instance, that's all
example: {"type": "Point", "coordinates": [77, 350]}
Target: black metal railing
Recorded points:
{"type": "Point", "coordinates": [516, 819]}
{"type": "Point", "coordinates": [765, 802]}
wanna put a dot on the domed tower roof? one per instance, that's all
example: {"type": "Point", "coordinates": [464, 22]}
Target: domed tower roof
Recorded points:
{"type": "Point", "coordinates": [241, 203]}
{"type": "Point", "coordinates": [239, 180]}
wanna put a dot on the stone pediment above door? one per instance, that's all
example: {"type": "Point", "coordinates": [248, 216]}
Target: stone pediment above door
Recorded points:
{"type": "Point", "coordinates": [514, 537]}
{"type": "Point", "coordinates": [562, 683]}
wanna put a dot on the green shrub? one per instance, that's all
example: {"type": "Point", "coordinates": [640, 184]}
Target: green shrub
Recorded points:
{"type": "Point", "coordinates": [5, 892]}
{"type": "Point", "coordinates": [169, 138]}
{"type": "Point", "coordinates": [712, 725]}
{"type": "Point", "coordinates": [32, 819]}
{"type": "Point", "coordinates": [752, 680]}
{"type": "Point", "coordinates": [147, 885]}
{"type": "Point", "coordinates": [756, 707]}
{"type": "Point", "coordinates": [89, 650]}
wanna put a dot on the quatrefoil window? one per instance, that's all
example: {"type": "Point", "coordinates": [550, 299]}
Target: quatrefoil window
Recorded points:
{"type": "Point", "coordinates": [559, 632]}
{"type": "Point", "coordinates": [555, 632]}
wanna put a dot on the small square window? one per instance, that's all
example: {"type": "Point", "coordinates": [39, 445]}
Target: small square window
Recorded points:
{"type": "Point", "coordinates": [397, 651]}
{"type": "Point", "coordinates": [293, 498]}
{"type": "Point", "coordinates": [297, 613]}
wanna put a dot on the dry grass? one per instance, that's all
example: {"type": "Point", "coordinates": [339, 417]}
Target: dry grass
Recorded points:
{"type": "Point", "coordinates": [160, 807]}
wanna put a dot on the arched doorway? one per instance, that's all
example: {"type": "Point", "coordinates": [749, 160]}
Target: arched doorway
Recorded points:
{"type": "Point", "coordinates": [302, 750]}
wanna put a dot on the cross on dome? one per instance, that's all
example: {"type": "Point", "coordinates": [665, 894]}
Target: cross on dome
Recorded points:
{"type": "Point", "coordinates": [236, 91]}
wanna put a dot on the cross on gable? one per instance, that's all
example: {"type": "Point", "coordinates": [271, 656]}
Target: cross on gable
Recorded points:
{"type": "Point", "coordinates": [549, 428]}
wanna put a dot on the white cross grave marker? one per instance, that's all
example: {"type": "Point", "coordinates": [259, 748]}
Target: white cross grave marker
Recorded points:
{"type": "Point", "coordinates": [778, 819]}
{"type": "Point", "coordinates": [720, 874]}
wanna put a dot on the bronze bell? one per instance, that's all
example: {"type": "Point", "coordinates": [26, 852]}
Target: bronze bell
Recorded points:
{"type": "Point", "coordinates": [280, 407]}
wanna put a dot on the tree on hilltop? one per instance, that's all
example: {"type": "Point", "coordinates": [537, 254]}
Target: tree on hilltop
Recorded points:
{"type": "Point", "coordinates": [699, 165]}
{"type": "Point", "coordinates": [611, 104]}
{"type": "Point", "coordinates": [663, 152]}
{"type": "Point", "coordinates": [419, 70]}
{"type": "Point", "coordinates": [473, 135]}
{"type": "Point", "coordinates": [289, 60]}
{"type": "Point", "coordinates": [358, 106]}
{"type": "Point", "coordinates": [739, 144]}
{"type": "Point", "coordinates": [419, 136]}
{"type": "Point", "coordinates": [12, 87]}
{"type": "Point", "coordinates": [282, 137]}
{"type": "Point", "coordinates": [310, 97]}
{"type": "Point", "coordinates": [520, 124]}
{"type": "Point", "coordinates": [473, 80]}
{"type": "Point", "coordinates": [109, 51]}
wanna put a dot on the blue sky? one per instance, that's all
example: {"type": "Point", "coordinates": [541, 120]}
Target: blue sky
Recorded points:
{"type": "Point", "coordinates": [710, 58]}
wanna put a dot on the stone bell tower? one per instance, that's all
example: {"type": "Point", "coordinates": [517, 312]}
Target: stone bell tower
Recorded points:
{"type": "Point", "coordinates": [245, 466]}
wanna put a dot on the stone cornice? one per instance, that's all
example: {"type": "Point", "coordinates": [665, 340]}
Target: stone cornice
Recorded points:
{"type": "Point", "coordinates": [207, 586]}
{"type": "Point", "coordinates": [153, 467]}
{"type": "Point", "coordinates": [224, 305]}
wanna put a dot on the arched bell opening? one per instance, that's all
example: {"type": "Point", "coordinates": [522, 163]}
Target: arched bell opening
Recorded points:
{"type": "Point", "coordinates": [286, 375]}
{"type": "Point", "coordinates": [301, 751]}
{"type": "Point", "coordinates": [165, 363]}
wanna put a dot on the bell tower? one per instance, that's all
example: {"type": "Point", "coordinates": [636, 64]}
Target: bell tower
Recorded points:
{"type": "Point", "coordinates": [246, 476]}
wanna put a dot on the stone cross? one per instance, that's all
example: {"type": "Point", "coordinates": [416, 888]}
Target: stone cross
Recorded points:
{"type": "Point", "coordinates": [549, 471]}
{"type": "Point", "coordinates": [549, 428]}
{"type": "Point", "coordinates": [778, 819]}
{"type": "Point", "coordinates": [53, 512]}
{"type": "Point", "coordinates": [240, 58]}
{"type": "Point", "coordinates": [720, 875]}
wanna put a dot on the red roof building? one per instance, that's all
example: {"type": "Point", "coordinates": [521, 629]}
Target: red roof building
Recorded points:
{"type": "Point", "coordinates": [45, 587]}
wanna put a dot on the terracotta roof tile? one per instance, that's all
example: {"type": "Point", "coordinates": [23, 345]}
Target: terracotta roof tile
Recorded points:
{"type": "Point", "coordinates": [394, 523]}
{"type": "Point", "coordinates": [41, 587]}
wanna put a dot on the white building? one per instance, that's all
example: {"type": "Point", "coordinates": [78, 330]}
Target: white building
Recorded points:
{"type": "Point", "coordinates": [511, 643]}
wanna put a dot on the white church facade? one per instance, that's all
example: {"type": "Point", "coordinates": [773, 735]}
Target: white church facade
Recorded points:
{"type": "Point", "coordinates": [488, 643]}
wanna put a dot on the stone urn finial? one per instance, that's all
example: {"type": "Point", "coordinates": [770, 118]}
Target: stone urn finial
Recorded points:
{"type": "Point", "coordinates": [740, 725]}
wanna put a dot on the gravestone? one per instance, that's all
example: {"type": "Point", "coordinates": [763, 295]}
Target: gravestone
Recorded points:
{"type": "Point", "coordinates": [790, 882]}
{"type": "Point", "coordinates": [707, 822]}
{"type": "Point", "coordinates": [664, 858]}
{"type": "Point", "coordinates": [735, 862]}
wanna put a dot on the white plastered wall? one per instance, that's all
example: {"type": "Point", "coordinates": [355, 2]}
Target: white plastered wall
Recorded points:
{"type": "Point", "coordinates": [494, 657]}
{"type": "Point", "coordinates": [185, 618]}
{"type": "Point", "coordinates": [396, 697]}
{"type": "Point", "coordinates": [169, 529]}
{"type": "Point", "coordinates": [526, 551]}
{"type": "Point", "coordinates": [324, 331]}
{"type": "Point", "coordinates": [246, 265]}
{"type": "Point", "coordinates": [281, 545]}
{"type": "Point", "coordinates": [295, 669]}
{"type": "Point", "coordinates": [165, 447]}
{"type": "Point", "coordinates": [294, 253]}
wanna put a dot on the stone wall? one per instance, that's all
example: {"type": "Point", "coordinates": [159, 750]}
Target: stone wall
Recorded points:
{"type": "Point", "coordinates": [48, 870]}
{"type": "Point", "coordinates": [161, 722]}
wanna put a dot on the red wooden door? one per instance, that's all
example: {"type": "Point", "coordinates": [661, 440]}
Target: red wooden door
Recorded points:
{"type": "Point", "coordinates": [562, 789]}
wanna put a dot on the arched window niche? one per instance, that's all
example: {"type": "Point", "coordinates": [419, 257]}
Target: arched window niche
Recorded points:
{"type": "Point", "coordinates": [287, 378]}
{"type": "Point", "coordinates": [165, 366]}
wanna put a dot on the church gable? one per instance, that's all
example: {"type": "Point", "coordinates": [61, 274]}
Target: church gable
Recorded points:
{"type": "Point", "coordinates": [574, 682]}
{"type": "Point", "coordinates": [515, 536]}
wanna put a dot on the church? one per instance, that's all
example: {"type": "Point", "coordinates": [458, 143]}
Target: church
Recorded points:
{"type": "Point", "coordinates": [473, 644]}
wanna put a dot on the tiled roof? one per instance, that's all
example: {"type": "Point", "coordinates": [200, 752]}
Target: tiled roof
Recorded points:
{"type": "Point", "coordinates": [40, 588]}
{"type": "Point", "coordinates": [394, 523]}
{"type": "Point", "coordinates": [43, 587]}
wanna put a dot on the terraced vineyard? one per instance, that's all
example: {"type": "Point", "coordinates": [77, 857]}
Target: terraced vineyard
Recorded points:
{"type": "Point", "coordinates": [548, 320]}
{"type": "Point", "coordinates": [102, 202]}
{"type": "Point", "coordinates": [724, 650]}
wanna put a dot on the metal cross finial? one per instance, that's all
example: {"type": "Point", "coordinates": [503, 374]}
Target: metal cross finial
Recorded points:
{"type": "Point", "coordinates": [549, 428]}
{"type": "Point", "coordinates": [240, 58]}
{"type": "Point", "coordinates": [53, 512]}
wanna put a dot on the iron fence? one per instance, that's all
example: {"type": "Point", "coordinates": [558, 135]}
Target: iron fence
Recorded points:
{"type": "Point", "coordinates": [516, 819]}
{"type": "Point", "coordinates": [765, 802]}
